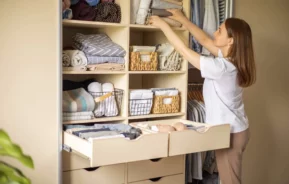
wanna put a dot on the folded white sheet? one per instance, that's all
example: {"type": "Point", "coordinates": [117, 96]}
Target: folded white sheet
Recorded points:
{"type": "Point", "coordinates": [142, 11]}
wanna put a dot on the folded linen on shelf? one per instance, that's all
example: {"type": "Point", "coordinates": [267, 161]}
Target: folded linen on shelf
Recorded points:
{"type": "Point", "coordinates": [142, 11]}
{"type": "Point", "coordinates": [82, 11]}
{"type": "Point", "coordinates": [75, 118]}
{"type": "Point", "coordinates": [77, 100]}
{"type": "Point", "coordinates": [106, 67]}
{"type": "Point", "coordinates": [97, 45]}
{"type": "Point", "coordinates": [72, 114]}
{"type": "Point", "coordinates": [74, 68]}
{"type": "Point", "coordinates": [161, 4]}
{"type": "Point", "coordinates": [102, 59]}
{"type": "Point", "coordinates": [108, 12]}
{"type": "Point", "coordinates": [161, 12]}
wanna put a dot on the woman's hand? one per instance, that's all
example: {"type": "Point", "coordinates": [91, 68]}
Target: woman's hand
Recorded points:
{"type": "Point", "coordinates": [177, 15]}
{"type": "Point", "coordinates": [156, 21]}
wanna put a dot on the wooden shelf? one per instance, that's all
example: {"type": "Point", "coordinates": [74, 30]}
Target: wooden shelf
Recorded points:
{"type": "Point", "coordinates": [90, 24]}
{"type": "Point", "coordinates": [91, 72]}
{"type": "Point", "coordinates": [96, 120]}
{"type": "Point", "coordinates": [151, 28]}
{"type": "Point", "coordinates": [156, 72]}
{"type": "Point", "coordinates": [156, 116]}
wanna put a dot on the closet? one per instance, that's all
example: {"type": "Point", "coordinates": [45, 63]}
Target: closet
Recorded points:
{"type": "Point", "coordinates": [153, 157]}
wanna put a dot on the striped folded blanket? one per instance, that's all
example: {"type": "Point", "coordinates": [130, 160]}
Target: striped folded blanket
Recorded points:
{"type": "Point", "coordinates": [100, 60]}
{"type": "Point", "coordinates": [77, 100]}
{"type": "Point", "coordinates": [97, 45]}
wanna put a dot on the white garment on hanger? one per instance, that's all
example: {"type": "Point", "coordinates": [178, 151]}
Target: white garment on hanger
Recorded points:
{"type": "Point", "coordinates": [210, 23]}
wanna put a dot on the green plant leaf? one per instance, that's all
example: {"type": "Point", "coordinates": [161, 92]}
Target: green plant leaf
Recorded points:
{"type": "Point", "coordinates": [13, 175]}
{"type": "Point", "coordinates": [3, 178]}
{"type": "Point", "coordinates": [8, 148]}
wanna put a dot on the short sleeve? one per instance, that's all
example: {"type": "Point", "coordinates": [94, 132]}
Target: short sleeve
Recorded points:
{"type": "Point", "coordinates": [212, 68]}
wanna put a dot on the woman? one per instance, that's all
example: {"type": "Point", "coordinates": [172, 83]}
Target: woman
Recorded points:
{"type": "Point", "coordinates": [226, 75]}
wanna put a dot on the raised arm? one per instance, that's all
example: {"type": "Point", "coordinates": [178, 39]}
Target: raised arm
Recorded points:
{"type": "Point", "coordinates": [198, 33]}
{"type": "Point", "coordinates": [187, 53]}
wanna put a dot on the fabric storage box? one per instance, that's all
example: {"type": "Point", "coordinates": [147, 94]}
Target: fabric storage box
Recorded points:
{"type": "Point", "coordinates": [107, 103]}
{"type": "Point", "coordinates": [143, 61]}
{"type": "Point", "coordinates": [164, 104]}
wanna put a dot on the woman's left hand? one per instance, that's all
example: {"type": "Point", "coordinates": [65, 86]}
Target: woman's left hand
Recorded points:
{"type": "Point", "coordinates": [156, 21]}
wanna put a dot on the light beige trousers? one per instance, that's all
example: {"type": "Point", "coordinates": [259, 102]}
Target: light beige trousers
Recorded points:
{"type": "Point", "coordinates": [229, 161]}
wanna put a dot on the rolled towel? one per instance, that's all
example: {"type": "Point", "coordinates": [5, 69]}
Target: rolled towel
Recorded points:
{"type": "Point", "coordinates": [161, 12]}
{"type": "Point", "coordinates": [160, 4]}
{"type": "Point", "coordinates": [111, 108]}
{"type": "Point", "coordinates": [77, 57]}
{"type": "Point", "coordinates": [77, 100]}
{"type": "Point", "coordinates": [65, 59]}
{"type": "Point", "coordinates": [67, 14]}
{"type": "Point", "coordinates": [82, 11]}
{"type": "Point", "coordinates": [108, 12]}
{"type": "Point", "coordinates": [95, 89]}
{"type": "Point", "coordinates": [143, 11]}
{"type": "Point", "coordinates": [92, 2]}
{"type": "Point", "coordinates": [74, 68]}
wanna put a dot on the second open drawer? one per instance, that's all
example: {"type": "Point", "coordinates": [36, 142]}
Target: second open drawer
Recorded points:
{"type": "Point", "coordinates": [211, 137]}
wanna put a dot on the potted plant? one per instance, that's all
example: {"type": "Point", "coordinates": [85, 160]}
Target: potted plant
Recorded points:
{"type": "Point", "coordinates": [8, 173]}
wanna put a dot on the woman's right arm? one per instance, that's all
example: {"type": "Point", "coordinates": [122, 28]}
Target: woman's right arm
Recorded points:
{"type": "Point", "coordinates": [197, 33]}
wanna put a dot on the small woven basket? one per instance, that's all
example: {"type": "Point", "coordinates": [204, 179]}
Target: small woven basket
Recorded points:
{"type": "Point", "coordinates": [160, 108]}
{"type": "Point", "coordinates": [136, 63]}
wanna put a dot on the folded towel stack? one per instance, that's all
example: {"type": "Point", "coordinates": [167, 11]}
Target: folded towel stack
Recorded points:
{"type": "Point", "coordinates": [140, 102]}
{"type": "Point", "coordinates": [77, 105]}
{"type": "Point", "coordinates": [74, 60]}
{"type": "Point", "coordinates": [99, 49]}
{"type": "Point", "coordinates": [94, 10]}
{"type": "Point", "coordinates": [141, 10]}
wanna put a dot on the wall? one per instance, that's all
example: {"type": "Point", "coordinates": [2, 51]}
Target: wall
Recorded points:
{"type": "Point", "coordinates": [267, 102]}
{"type": "Point", "coordinates": [29, 60]}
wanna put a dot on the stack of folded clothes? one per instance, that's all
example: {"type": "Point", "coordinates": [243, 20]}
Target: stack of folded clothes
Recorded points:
{"type": "Point", "coordinates": [94, 10]}
{"type": "Point", "coordinates": [141, 10]}
{"type": "Point", "coordinates": [103, 131]}
{"type": "Point", "coordinates": [77, 104]}
{"type": "Point", "coordinates": [74, 60]}
{"type": "Point", "coordinates": [101, 52]}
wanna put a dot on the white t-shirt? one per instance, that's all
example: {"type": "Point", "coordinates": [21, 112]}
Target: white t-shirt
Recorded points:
{"type": "Point", "coordinates": [222, 94]}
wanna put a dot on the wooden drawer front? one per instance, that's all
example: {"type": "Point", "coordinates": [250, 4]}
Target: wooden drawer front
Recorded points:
{"type": "Point", "coordinates": [189, 141]}
{"type": "Point", "coordinates": [175, 179]}
{"type": "Point", "coordinates": [119, 150]}
{"type": "Point", "coordinates": [144, 170]}
{"type": "Point", "coordinates": [113, 174]}
{"type": "Point", "coordinates": [72, 161]}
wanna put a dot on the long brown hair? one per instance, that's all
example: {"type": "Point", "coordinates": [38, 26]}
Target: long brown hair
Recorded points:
{"type": "Point", "coordinates": [241, 53]}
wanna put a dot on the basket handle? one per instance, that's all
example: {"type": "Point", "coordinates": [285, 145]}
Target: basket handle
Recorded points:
{"type": "Point", "coordinates": [102, 98]}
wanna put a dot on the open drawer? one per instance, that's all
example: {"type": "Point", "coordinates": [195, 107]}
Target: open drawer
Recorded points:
{"type": "Point", "coordinates": [118, 150]}
{"type": "Point", "coordinates": [207, 137]}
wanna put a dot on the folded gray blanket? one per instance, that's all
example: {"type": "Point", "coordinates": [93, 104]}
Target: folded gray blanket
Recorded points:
{"type": "Point", "coordinates": [97, 45]}
{"type": "Point", "coordinates": [77, 100]}
{"type": "Point", "coordinates": [99, 60]}
{"type": "Point", "coordinates": [160, 4]}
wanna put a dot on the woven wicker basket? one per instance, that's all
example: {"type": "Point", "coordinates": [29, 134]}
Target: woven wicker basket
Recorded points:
{"type": "Point", "coordinates": [160, 108]}
{"type": "Point", "coordinates": [137, 65]}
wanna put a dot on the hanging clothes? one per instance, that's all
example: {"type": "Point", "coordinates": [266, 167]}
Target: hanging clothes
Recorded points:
{"type": "Point", "coordinates": [210, 22]}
